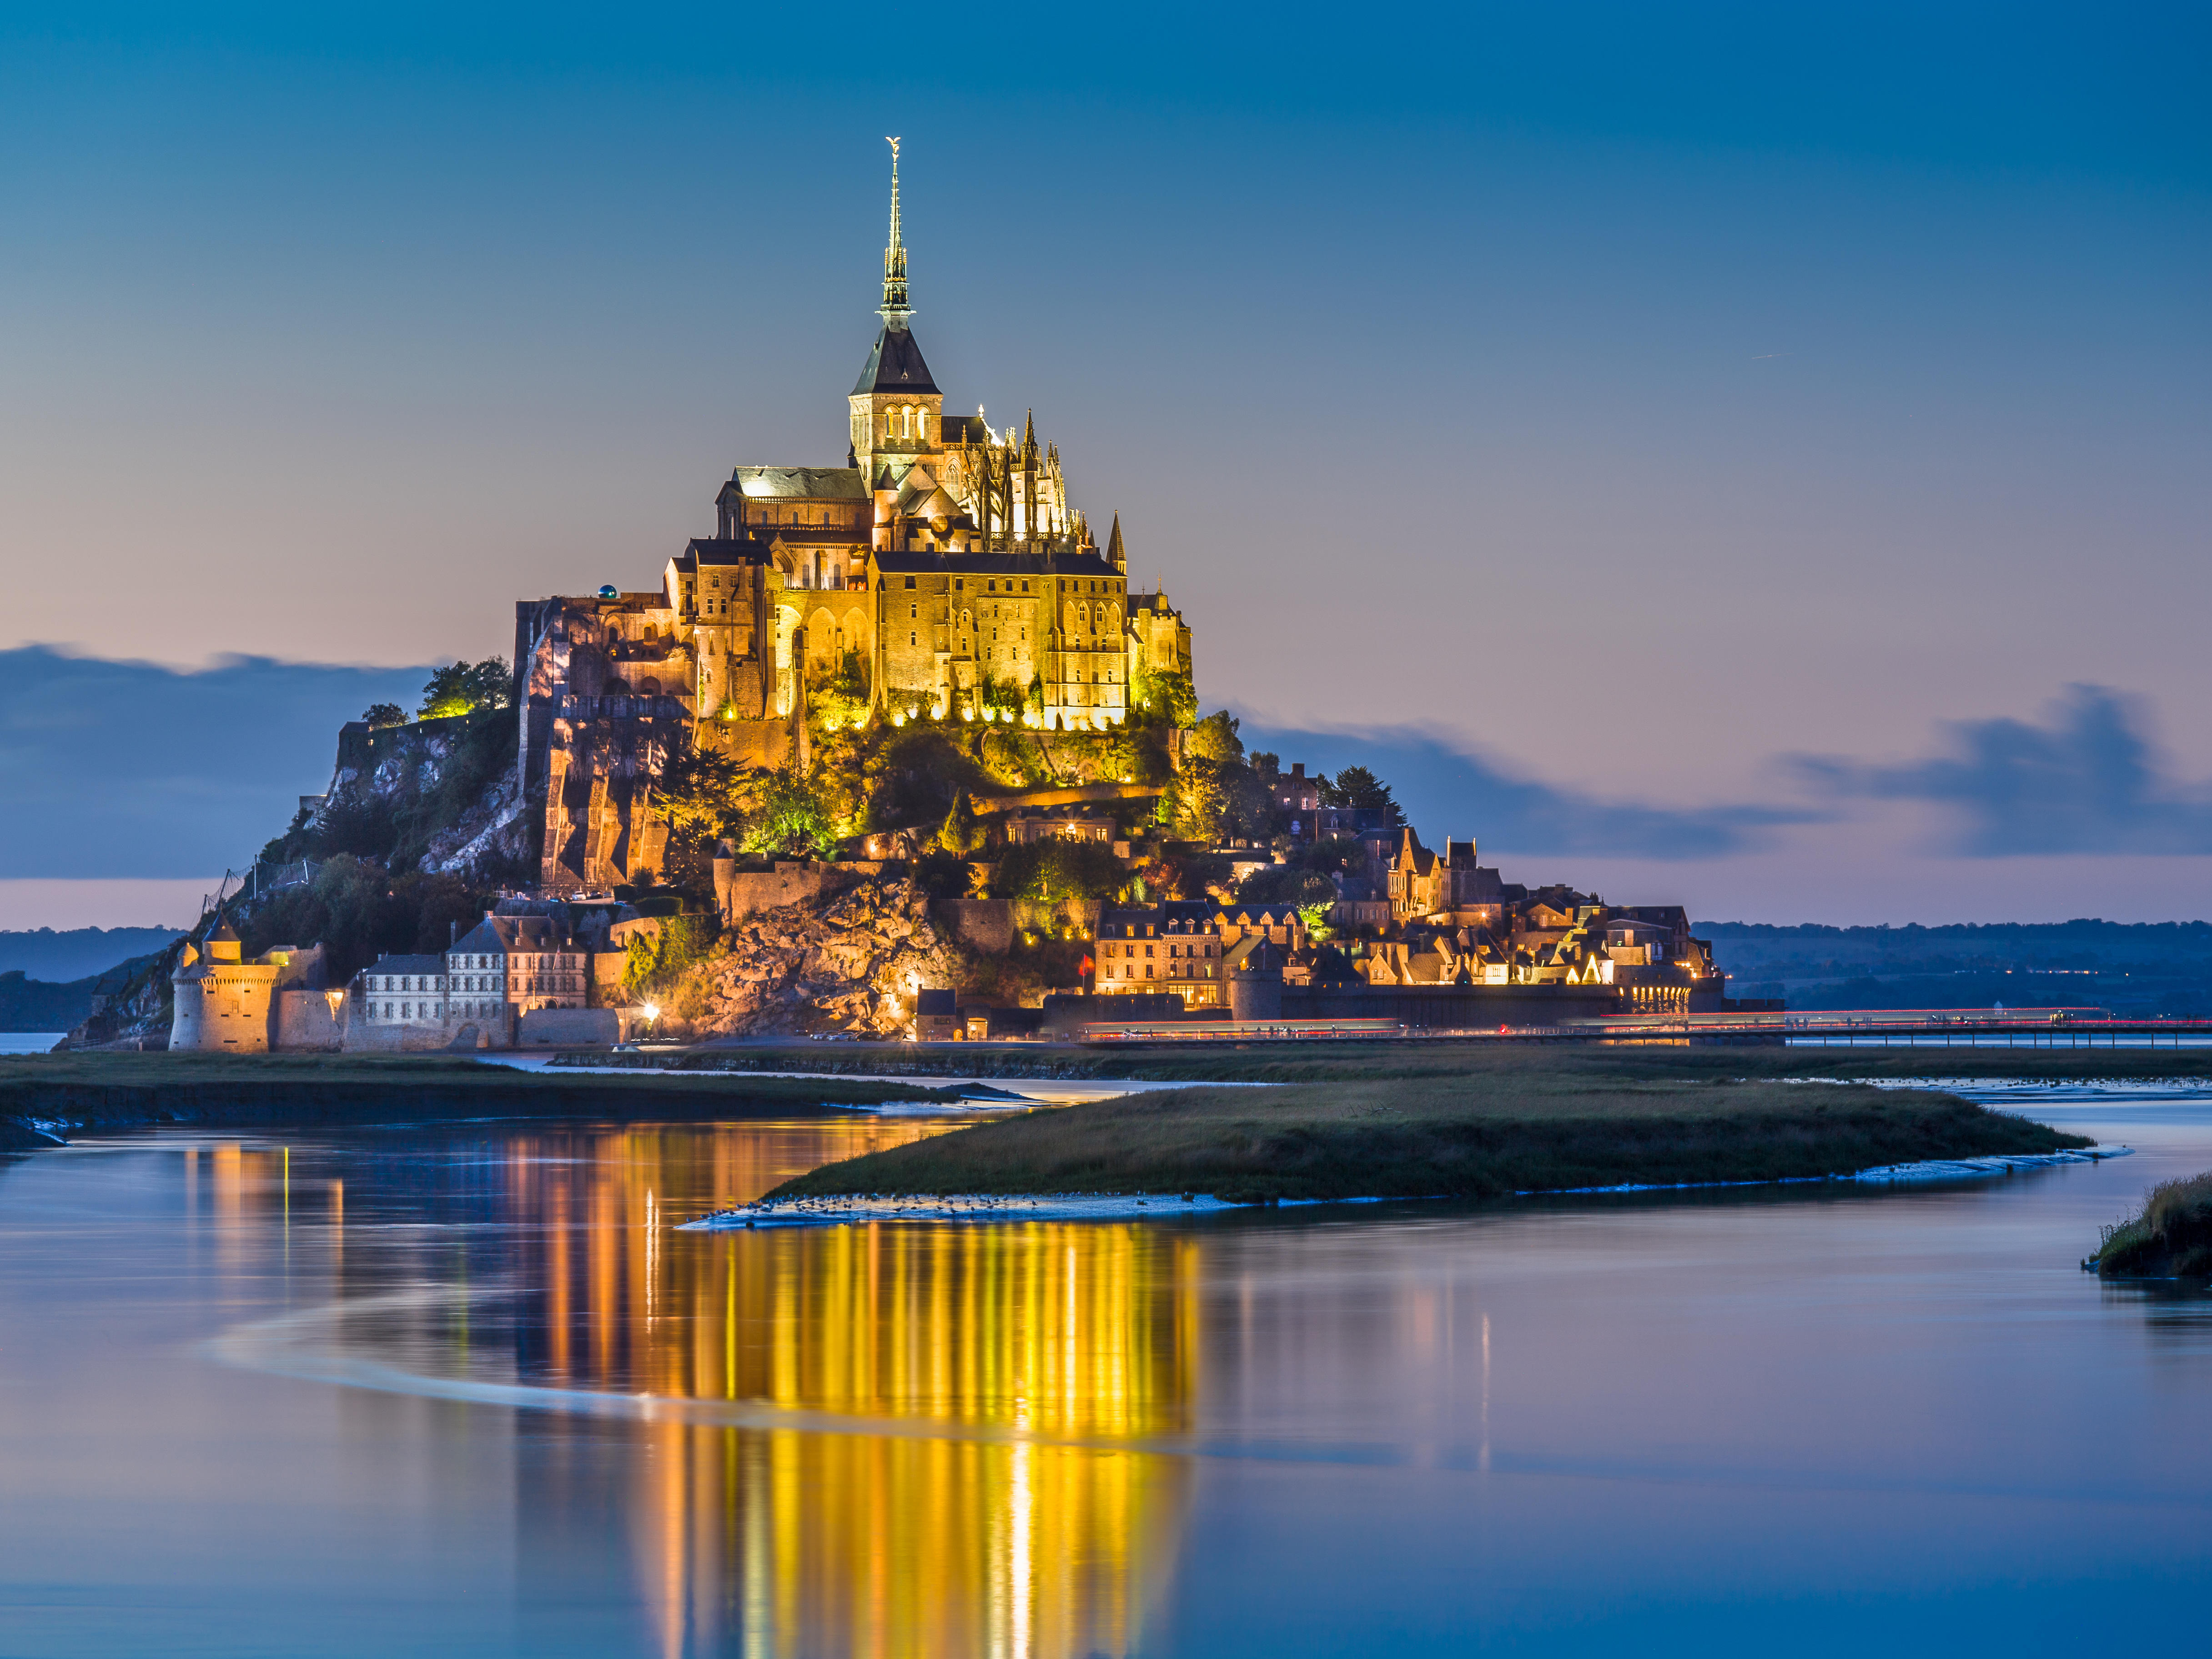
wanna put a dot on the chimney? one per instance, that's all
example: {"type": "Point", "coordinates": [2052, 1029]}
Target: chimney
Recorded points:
{"type": "Point", "coordinates": [453, 935]}
{"type": "Point", "coordinates": [1298, 769]}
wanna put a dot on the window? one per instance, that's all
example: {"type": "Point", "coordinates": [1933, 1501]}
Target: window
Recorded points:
{"type": "Point", "coordinates": [912, 611]}
{"type": "Point", "coordinates": [912, 639]}
{"type": "Point", "coordinates": [910, 581]}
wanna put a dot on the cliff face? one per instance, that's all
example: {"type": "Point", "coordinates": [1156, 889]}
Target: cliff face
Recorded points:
{"type": "Point", "coordinates": [852, 965]}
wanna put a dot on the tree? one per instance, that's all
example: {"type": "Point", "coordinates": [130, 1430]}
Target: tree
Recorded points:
{"type": "Point", "coordinates": [1167, 699]}
{"type": "Point", "coordinates": [697, 795]}
{"type": "Point", "coordinates": [466, 687]}
{"type": "Point", "coordinates": [1211, 799]}
{"type": "Point", "coordinates": [379, 714]}
{"type": "Point", "coordinates": [1286, 884]}
{"type": "Point", "coordinates": [789, 819]}
{"type": "Point", "coordinates": [1057, 868]}
{"type": "Point", "coordinates": [960, 833]}
{"type": "Point", "coordinates": [1215, 739]}
{"type": "Point", "coordinates": [1356, 787]}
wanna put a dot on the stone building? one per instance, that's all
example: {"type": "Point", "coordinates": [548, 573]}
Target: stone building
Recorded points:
{"type": "Point", "coordinates": [223, 1003]}
{"type": "Point", "coordinates": [1168, 948]}
{"type": "Point", "coordinates": [491, 988]}
{"type": "Point", "coordinates": [942, 570]}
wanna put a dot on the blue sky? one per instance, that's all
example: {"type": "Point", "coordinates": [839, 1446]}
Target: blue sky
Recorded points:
{"type": "Point", "coordinates": [1631, 401]}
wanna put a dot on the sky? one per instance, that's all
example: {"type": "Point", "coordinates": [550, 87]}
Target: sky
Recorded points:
{"type": "Point", "coordinates": [1746, 456]}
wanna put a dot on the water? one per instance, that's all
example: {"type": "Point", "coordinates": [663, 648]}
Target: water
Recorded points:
{"type": "Point", "coordinates": [29, 1043]}
{"type": "Point", "coordinates": [465, 1390]}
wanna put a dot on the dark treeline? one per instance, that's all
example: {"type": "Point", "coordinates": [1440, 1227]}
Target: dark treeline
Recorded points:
{"type": "Point", "coordinates": [2142, 967]}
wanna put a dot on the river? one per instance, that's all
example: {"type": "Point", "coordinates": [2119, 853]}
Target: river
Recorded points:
{"type": "Point", "coordinates": [465, 1390]}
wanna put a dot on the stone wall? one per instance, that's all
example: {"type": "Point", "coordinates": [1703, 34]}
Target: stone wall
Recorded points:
{"type": "Point", "coordinates": [986, 925]}
{"type": "Point", "coordinates": [568, 1027]}
{"type": "Point", "coordinates": [305, 1023]}
{"type": "Point", "coordinates": [363, 1038]}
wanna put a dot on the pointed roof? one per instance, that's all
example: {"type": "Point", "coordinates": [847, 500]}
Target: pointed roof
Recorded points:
{"type": "Point", "coordinates": [895, 365]}
{"type": "Point", "coordinates": [1115, 555]}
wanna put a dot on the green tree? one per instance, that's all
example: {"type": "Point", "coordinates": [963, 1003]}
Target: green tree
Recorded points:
{"type": "Point", "coordinates": [842, 699]}
{"type": "Point", "coordinates": [1356, 787]}
{"type": "Point", "coordinates": [466, 687]}
{"type": "Point", "coordinates": [960, 833]}
{"type": "Point", "coordinates": [1056, 868]}
{"type": "Point", "coordinates": [1163, 699]}
{"type": "Point", "coordinates": [379, 714]}
{"type": "Point", "coordinates": [788, 819]}
{"type": "Point", "coordinates": [1215, 739]}
{"type": "Point", "coordinates": [1286, 884]}
{"type": "Point", "coordinates": [699, 795]}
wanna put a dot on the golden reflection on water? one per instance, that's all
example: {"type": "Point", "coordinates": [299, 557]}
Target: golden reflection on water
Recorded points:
{"type": "Point", "coordinates": [989, 1538]}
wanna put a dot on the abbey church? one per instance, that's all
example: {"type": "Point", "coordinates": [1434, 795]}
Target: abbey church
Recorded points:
{"type": "Point", "coordinates": [941, 572]}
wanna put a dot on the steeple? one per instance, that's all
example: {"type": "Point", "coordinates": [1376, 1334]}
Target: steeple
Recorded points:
{"type": "Point", "coordinates": [1115, 555]}
{"type": "Point", "coordinates": [896, 365]}
{"type": "Point", "coordinates": [895, 310]}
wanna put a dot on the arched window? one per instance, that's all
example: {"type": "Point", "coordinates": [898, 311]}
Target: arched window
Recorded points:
{"type": "Point", "coordinates": [921, 423]}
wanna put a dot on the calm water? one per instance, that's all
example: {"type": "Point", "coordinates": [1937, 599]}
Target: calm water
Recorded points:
{"type": "Point", "coordinates": [465, 1391]}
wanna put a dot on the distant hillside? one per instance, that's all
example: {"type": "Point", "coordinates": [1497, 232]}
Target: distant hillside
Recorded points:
{"type": "Point", "coordinates": [31, 1004]}
{"type": "Point", "coordinates": [2145, 969]}
{"type": "Point", "coordinates": [78, 953]}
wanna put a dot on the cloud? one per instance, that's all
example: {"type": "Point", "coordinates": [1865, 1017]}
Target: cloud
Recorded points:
{"type": "Point", "coordinates": [2088, 780]}
{"type": "Point", "coordinates": [1445, 790]}
{"type": "Point", "coordinates": [132, 768]}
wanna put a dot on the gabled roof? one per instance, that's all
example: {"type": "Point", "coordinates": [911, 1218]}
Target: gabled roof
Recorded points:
{"type": "Point", "coordinates": [895, 365]}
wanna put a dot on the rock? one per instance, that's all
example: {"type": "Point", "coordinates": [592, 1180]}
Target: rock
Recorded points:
{"type": "Point", "coordinates": [852, 964]}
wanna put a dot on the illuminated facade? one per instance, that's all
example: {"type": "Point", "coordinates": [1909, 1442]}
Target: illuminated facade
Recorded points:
{"type": "Point", "coordinates": [942, 571]}
{"type": "Point", "coordinates": [222, 1004]}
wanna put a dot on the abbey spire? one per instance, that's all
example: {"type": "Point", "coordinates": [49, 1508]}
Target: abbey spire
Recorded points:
{"type": "Point", "coordinates": [896, 310]}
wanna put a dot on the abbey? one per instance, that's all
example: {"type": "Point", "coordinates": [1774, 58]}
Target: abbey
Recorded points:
{"type": "Point", "coordinates": [942, 571]}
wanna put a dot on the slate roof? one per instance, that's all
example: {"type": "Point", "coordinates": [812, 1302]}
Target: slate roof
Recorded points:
{"type": "Point", "coordinates": [409, 964]}
{"type": "Point", "coordinates": [895, 365]}
{"type": "Point", "coordinates": [995, 564]}
{"type": "Point", "coordinates": [498, 935]}
{"type": "Point", "coordinates": [811, 483]}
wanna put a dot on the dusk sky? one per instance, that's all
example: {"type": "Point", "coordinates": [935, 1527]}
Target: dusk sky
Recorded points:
{"type": "Point", "coordinates": [1748, 456]}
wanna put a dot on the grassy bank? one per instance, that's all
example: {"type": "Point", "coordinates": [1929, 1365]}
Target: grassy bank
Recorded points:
{"type": "Point", "coordinates": [1317, 1062]}
{"type": "Point", "coordinates": [2170, 1238]}
{"type": "Point", "coordinates": [89, 1093]}
{"type": "Point", "coordinates": [1481, 1132]}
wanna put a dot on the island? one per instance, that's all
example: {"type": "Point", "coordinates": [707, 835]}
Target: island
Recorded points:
{"type": "Point", "coordinates": [1473, 1125]}
{"type": "Point", "coordinates": [2170, 1237]}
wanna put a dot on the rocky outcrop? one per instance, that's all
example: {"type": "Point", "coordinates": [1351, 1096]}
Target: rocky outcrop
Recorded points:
{"type": "Point", "coordinates": [494, 830]}
{"type": "Point", "coordinates": [852, 965]}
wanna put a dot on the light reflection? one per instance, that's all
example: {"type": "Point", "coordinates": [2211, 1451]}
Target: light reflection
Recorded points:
{"type": "Point", "coordinates": [788, 1541]}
